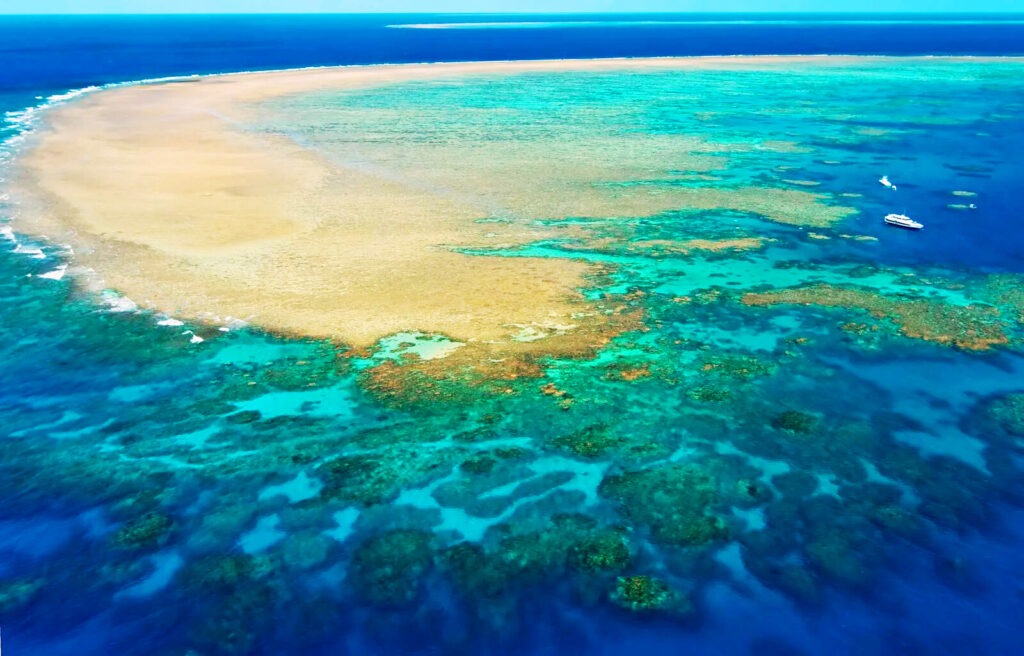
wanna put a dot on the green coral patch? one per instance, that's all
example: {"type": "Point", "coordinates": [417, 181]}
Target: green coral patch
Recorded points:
{"type": "Point", "coordinates": [676, 502]}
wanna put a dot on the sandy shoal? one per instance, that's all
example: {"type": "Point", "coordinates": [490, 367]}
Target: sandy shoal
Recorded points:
{"type": "Point", "coordinates": [161, 191]}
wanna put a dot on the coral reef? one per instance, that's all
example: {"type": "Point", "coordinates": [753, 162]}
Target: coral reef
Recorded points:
{"type": "Point", "coordinates": [17, 593]}
{"type": "Point", "coordinates": [373, 478]}
{"type": "Point", "coordinates": [676, 502]}
{"type": "Point", "coordinates": [387, 569]}
{"type": "Point", "coordinates": [1007, 290]}
{"type": "Point", "coordinates": [1008, 413]}
{"type": "Point", "coordinates": [490, 368]}
{"type": "Point", "coordinates": [306, 550]}
{"type": "Point", "coordinates": [605, 551]}
{"type": "Point", "coordinates": [646, 593]}
{"type": "Point", "coordinates": [971, 327]}
{"type": "Point", "coordinates": [145, 532]}
{"type": "Point", "coordinates": [657, 248]}
{"type": "Point", "coordinates": [253, 489]}
{"type": "Point", "coordinates": [794, 421]}
{"type": "Point", "coordinates": [589, 442]}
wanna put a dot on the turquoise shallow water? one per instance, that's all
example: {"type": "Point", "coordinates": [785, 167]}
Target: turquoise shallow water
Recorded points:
{"type": "Point", "coordinates": [730, 479]}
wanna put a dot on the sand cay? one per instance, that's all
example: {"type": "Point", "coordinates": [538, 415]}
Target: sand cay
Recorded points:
{"type": "Point", "coordinates": [176, 200]}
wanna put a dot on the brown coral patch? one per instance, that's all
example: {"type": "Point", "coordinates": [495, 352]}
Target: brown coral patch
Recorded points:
{"type": "Point", "coordinates": [496, 367]}
{"type": "Point", "coordinates": [970, 327]}
{"type": "Point", "coordinates": [662, 247]}
{"type": "Point", "coordinates": [635, 373]}
{"type": "Point", "coordinates": [1007, 289]}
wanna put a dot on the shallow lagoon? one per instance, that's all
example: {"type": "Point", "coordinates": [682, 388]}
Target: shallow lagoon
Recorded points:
{"type": "Point", "coordinates": [769, 474]}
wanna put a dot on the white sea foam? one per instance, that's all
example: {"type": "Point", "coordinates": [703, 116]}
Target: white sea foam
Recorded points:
{"type": "Point", "coordinates": [117, 303]}
{"type": "Point", "coordinates": [170, 322]}
{"type": "Point", "coordinates": [231, 323]}
{"type": "Point", "coordinates": [56, 274]}
{"type": "Point", "coordinates": [195, 339]}
{"type": "Point", "coordinates": [69, 95]}
{"type": "Point", "coordinates": [31, 251]}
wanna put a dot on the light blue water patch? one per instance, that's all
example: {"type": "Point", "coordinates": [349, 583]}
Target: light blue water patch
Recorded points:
{"type": "Point", "coordinates": [165, 565]}
{"type": "Point", "coordinates": [686, 277]}
{"type": "Point", "coordinates": [753, 518]}
{"type": "Point", "coordinates": [768, 468]}
{"type": "Point", "coordinates": [506, 489]}
{"type": "Point", "coordinates": [452, 520]}
{"type": "Point", "coordinates": [731, 557]}
{"type": "Point", "coordinates": [197, 439]}
{"type": "Point", "coordinates": [747, 337]}
{"type": "Point", "coordinates": [300, 488]}
{"type": "Point", "coordinates": [421, 345]}
{"type": "Point", "coordinates": [947, 442]}
{"type": "Point", "coordinates": [684, 453]}
{"type": "Point", "coordinates": [245, 348]}
{"type": "Point", "coordinates": [136, 393]}
{"type": "Point", "coordinates": [96, 523]}
{"type": "Point", "coordinates": [908, 497]}
{"type": "Point", "coordinates": [615, 354]}
{"type": "Point", "coordinates": [83, 431]}
{"type": "Point", "coordinates": [471, 527]}
{"type": "Point", "coordinates": [747, 274]}
{"type": "Point", "coordinates": [346, 520]}
{"type": "Point", "coordinates": [66, 417]}
{"type": "Point", "coordinates": [262, 536]}
{"type": "Point", "coordinates": [586, 478]}
{"type": "Point", "coordinates": [337, 401]}
{"type": "Point", "coordinates": [937, 393]}
{"type": "Point", "coordinates": [827, 485]}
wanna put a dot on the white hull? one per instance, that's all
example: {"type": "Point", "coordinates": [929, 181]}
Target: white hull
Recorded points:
{"type": "Point", "coordinates": [903, 221]}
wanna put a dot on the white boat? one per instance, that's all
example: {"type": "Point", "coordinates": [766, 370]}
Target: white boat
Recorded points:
{"type": "Point", "coordinates": [884, 181]}
{"type": "Point", "coordinates": [902, 221]}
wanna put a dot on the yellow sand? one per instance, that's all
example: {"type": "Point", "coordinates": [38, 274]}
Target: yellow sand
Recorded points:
{"type": "Point", "coordinates": [164, 195]}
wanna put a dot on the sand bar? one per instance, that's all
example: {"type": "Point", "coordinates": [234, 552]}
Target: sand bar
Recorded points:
{"type": "Point", "coordinates": [174, 201]}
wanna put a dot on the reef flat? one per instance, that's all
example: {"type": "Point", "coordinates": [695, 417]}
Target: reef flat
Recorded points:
{"type": "Point", "coordinates": [615, 355]}
{"type": "Point", "coordinates": [200, 198]}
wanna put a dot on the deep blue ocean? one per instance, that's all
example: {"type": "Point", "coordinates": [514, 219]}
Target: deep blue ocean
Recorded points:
{"type": "Point", "coordinates": [56, 53]}
{"type": "Point", "coordinates": [961, 592]}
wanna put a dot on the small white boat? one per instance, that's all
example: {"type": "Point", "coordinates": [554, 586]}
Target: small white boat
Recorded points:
{"type": "Point", "coordinates": [902, 221]}
{"type": "Point", "coordinates": [884, 181]}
